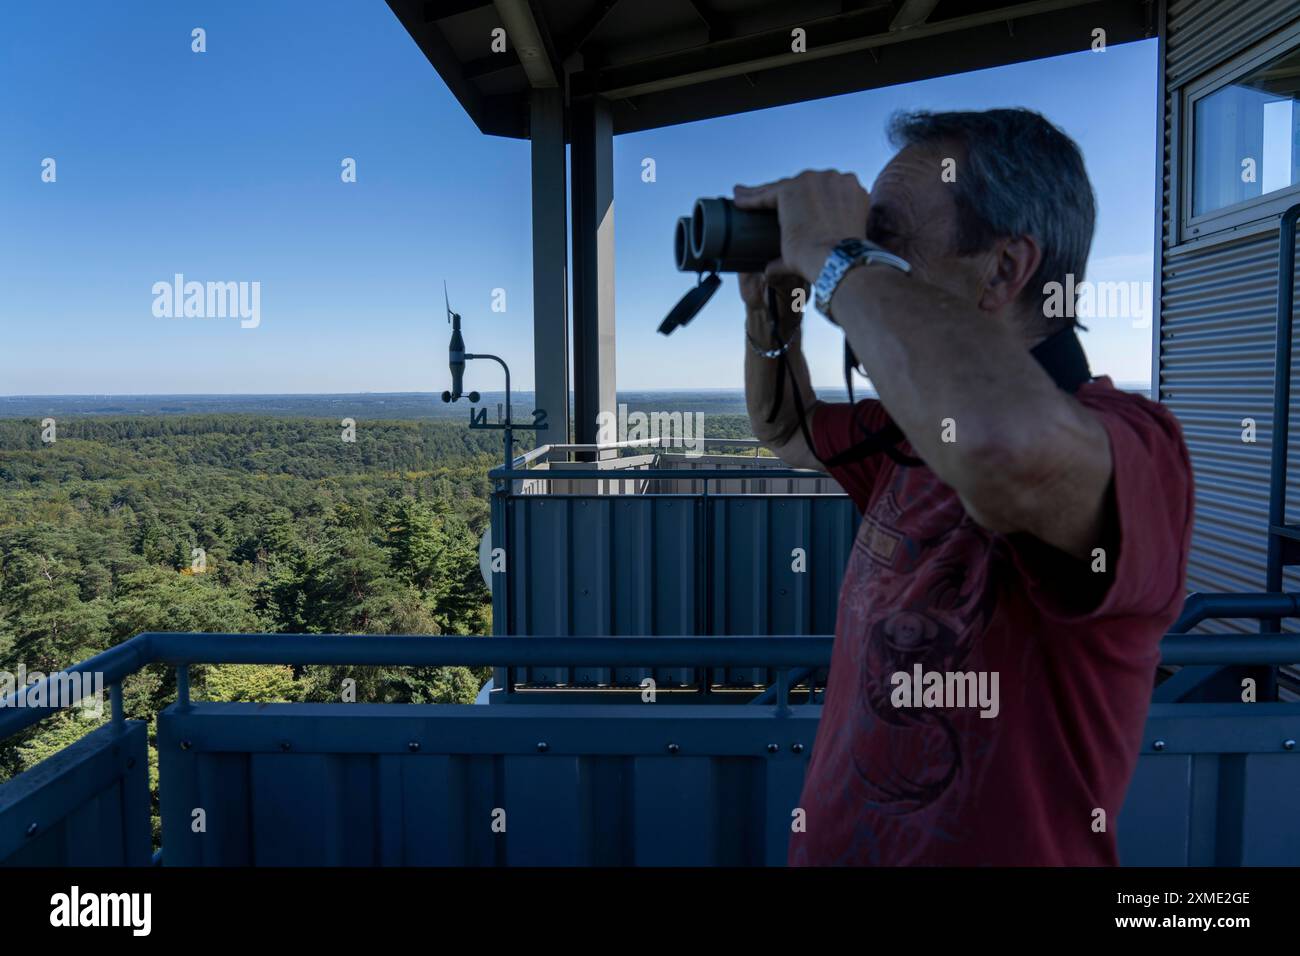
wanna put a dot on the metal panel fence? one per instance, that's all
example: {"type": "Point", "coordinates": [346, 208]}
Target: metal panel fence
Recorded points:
{"type": "Point", "coordinates": [481, 786]}
{"type": "Point", "coordinates": [87, 805]}
{"type": "Point", "coordinates": [690, 547]}
{"type": "Point", "coordinates": [1214, 787]}
{"type": "Point", "coordinates": [577, 784]}
{"type": "Point", "coordinates": [624, 786]}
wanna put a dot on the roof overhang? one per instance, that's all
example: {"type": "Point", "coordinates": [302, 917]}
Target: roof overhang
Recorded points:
{"type": "Point", "coordinates": [662, 62]}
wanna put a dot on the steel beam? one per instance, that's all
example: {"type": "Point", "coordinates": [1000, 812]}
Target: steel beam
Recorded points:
{"type": "Point", "coordinates": [592, 176]}
{"type": "Point", "coordinates": [550, 265]}
{"type": "Point", "coordinates": [522, 30]}
{"type": "Point", "coordinates": [912, 13]}
{"type": "Point", "coordinates": [771, 50]}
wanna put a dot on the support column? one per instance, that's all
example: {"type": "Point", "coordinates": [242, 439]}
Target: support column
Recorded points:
{"type": "Point", "coordinates": [550, 265]}
{"type": "Point", "coordinates": [592, 174]}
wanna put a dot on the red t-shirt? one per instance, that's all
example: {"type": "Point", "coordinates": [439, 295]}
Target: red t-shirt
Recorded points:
{"type": "Point", "coordinates": [906, 780]}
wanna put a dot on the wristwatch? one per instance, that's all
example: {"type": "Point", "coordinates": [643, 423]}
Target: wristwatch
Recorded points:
{"type": "Point", "coordinates": [847, 254]}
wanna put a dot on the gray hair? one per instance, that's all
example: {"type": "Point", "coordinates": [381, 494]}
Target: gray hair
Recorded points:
{"type": "Point", "coordinates": [1021, 176]}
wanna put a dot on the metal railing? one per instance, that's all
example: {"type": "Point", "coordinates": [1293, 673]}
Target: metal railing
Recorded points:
{"type": "Point", "coordinates": [180, 650]}
{"type": "Point", "coordinates": [544, 454]}
{"type": "Point", "coordinates": [1283, 539]}
{"type": "Point", "coordinates": [788, 655]}
{"type": "Point", "coordinates": [28, 797]}
{"type": "Point", "coordinates": [603, 469]}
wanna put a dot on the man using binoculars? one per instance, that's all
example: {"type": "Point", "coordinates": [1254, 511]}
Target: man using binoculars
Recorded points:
{"type": "Point", "coordinates": [1024, 526]}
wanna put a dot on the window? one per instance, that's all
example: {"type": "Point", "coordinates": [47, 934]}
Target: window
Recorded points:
{"type": "Point", "coordinates": [1246, 139]}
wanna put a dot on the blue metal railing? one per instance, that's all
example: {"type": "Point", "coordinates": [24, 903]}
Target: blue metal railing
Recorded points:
{"type": "Point", "coordinates": [613, 468]}
{"type": "Point", "coordinates": [179, 650]}
{"type": "Point", "coordinates": [1212, 605]}
{"type": "Point", "coordinates": [704, 475]}
{"type": "Point", "coordinates": [792, 656]}
{"type": "Point", "coordinates": [1282, 547]}
{"type": "Point", "coordinates": [113, 664]}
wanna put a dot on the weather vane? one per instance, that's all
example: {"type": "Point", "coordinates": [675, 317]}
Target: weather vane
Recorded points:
{"type": "Point", "coordinates": [456, 359]}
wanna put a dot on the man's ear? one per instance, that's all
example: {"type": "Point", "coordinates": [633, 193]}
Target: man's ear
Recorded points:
{"type": "Point", "coordinates": [1014, 263]}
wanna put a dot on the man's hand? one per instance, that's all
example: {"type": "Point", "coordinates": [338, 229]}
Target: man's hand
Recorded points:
{"type": "Point", "coordinates": [753, 292]}
{"type": "Point", "coordinates": [762, 374]}
{"type": "Point", "coordinates": [816, 210]}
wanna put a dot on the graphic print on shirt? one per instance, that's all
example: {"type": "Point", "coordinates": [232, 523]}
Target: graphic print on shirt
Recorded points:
{"type": "Point", "coordinates": [917, 546]}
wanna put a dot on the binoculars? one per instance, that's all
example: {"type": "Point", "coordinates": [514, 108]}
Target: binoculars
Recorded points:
{"type": "Point", "coordinates": [718, 237]}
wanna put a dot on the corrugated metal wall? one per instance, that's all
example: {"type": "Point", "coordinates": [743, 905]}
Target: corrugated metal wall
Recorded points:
{"type": "Point", "coordinates": [87, 805]}
{"type": "Point", "coordinates": [1216, 370]}
{"type": "Point", "coordinates": [1219, 790]}
{"type": "Point", "coordinates": [1217, 314]}
{"type": "Point", "coordinates": [672, 564]}
{"type": "Point", "coordinates": [410, 784]}
{"type": "Point", "coordinates": [342, 784]}
{"type": "Point", "coordinates": [1202, 34]}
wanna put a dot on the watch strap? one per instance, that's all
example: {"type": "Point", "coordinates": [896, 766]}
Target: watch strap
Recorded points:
{"type": "Point", "coordinates": [847, 254]}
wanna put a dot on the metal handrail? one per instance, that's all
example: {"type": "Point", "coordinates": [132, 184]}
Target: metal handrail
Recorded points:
{"type": "Point", "coordinates": [792, 650]}
{"type": "Point", "coordinates": [521, 462]}
{"type": "Point", "coordinates": [1214, 605]}
{"type": "Point", "coordinates": [1179, 648]}
{"type": "Point", "coordinates": [784, 653]}
{"type": "Point", "coordinates": [781, 652]}
{"type": "Point", "coordinates": [1281, 426]}
{"type": "Point", "coordinates": [700, 474]}
{"type": "Point", "coordinates": [648, 442]}
{"type": "Point", "coordinates": [179, 649]}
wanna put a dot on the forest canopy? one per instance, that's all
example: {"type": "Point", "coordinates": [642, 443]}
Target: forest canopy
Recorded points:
{"type": "Point", "coordinates": [242, 523]}
{"type": "Point", "coordinates": [230, 524]}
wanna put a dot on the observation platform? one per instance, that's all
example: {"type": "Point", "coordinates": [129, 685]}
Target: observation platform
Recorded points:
{"type": "Point", "coordinates": [565, 761]}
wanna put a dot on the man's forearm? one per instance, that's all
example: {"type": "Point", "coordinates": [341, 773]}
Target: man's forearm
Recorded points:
{"type": "Point", "coordinates": [952, 381]}
{"type": "Point", "coordinates": [762, 377]}
{"type": "Point", "coordinates": [976, 406]}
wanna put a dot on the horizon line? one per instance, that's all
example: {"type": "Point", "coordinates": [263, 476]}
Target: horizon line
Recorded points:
{"type": "Point", "coordinates": [527, 391]}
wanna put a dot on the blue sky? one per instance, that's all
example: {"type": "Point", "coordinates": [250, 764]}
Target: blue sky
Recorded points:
{"type": "Point", "coordinates": [224, 166]}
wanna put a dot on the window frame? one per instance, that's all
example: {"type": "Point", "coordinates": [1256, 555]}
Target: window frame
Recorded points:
{"type": "Point", "coordinates": [1247, 211]}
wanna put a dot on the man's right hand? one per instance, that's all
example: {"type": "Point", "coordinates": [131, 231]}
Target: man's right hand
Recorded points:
{"type": "Point", "coordinates": [783, 435]}
{"type": "Point", "coordinates": [753, 292]}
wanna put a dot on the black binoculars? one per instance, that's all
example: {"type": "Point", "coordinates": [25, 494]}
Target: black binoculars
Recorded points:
{"type": "Point", "coordinates": [718, 237]}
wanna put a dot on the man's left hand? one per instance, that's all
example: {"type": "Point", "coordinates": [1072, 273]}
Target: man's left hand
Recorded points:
{"type": "Point", "coordinates": [816, 211]}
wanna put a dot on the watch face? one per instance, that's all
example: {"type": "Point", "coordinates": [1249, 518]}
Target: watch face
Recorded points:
{"type": "Point", "coordinates": [838, 262]}
{"type": "Point", "coordinates": [846, 254]}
